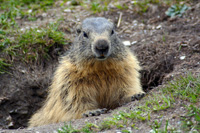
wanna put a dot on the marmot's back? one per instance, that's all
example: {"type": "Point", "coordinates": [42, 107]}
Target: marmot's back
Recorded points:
{"type": "Point", "coordinates": [97, 72]}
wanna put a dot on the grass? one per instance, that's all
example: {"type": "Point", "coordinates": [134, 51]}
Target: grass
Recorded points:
{"type": "Point", "coordinates": [191, 122]}
{"type": "Point", "coordinates": [68, 129]}
{"type": "Point", "coordinates": [184, 88]}
{"type": "Point", "coordinates": [4, 41]}
{"type": "Point", "coordinates": [12, 9]}
{"type": "Point", "coordinates": [96, 6]}
{"type": "Point", "coordinates": [3, 66]}
{"type": "Point", "coordinates": [31, 45]}
{"type": "Point", "coordinates": [34, 45]}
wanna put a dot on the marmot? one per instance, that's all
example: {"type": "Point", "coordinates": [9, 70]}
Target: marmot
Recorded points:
{"type": "Point", "coordinates": [97, 72]}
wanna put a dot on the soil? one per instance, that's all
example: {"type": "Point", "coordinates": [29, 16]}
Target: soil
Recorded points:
{"type": "Point", "coordinates": [166, 48]}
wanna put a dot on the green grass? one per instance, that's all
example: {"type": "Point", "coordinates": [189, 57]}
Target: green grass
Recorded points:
{"type": "Point", "coordinates": [97, 6]}
{"type": "Point", "coordinates": [4, 41]}
{"type": "Point", "coordinates": [12, 9]}
{"type": "Point", "coordinates": [184, 88]}
{"type": "Point", "coordinates": [3, 66]}
{"type": "Point", "coordinates": [31, 45]}
{"type": "Point", "coordinates": [34, 45]}
{"type": "Point", "coordinates": [192, 120]}
{"type": "Point", "coordinates": [68, 129]}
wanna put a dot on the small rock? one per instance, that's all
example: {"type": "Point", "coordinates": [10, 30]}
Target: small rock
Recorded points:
{"type": "Point", "coordinates": [10, 124]}
{"type": "Point", "coordinates": [39, 31]}
{"type": "Point", "coordinates": [30, 11]}
{"type": "Point", "coordinates": [151, 131]}
{"type": "Point", "coordinates": [127, 43]}
{"type": "Point", "coordinates": [44, 14]}
{"type": "Point", "coordinates": [118, 131]}
{"type": "Point", "coordinates": [133, 42]}
{"type": "Point", "coordinates": [135, 23]}
{"type": "Point", "coordinates": [68, 3]}
{"type": "Point", "coordinates": [128, 31]}
{"type": "Point", "coordinates": [134, 2]}
{"type": "Point", "coordinates": [158, 27]}
{"type": "Point", "coordinates": [141, 26]}
{"type": "Point", "coordinates": [67, 10]}
{"type": "Point", "coordinates": [182, 57]}
{"type": "Point", "coordinates": [22, 29]}
{"type": "Point", "coordinates": [184, 45]}
{"type": "Point", "coordinates": [23, 71]}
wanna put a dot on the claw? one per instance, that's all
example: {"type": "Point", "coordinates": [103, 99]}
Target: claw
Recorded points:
{"type": "Point", "coordinates": [95, 112]}
{"type": "Point", "coordinates": [137, 96]}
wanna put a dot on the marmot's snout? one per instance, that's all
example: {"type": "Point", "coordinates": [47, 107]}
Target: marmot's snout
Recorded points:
{"type": "Point", "coordinates": [101, 49]}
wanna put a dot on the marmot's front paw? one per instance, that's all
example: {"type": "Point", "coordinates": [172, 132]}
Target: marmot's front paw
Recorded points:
{"type": "Point", "coordinates": [137, 96]}
{"type": "Point", "coordinates": [96, 112]}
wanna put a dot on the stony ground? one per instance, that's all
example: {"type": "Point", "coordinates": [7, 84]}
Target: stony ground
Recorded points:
{"type": "Point", "coordinates": [166, 48]}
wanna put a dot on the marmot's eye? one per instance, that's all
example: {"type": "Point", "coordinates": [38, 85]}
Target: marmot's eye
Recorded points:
{"type": "Point", "coordinates": [85, 35]}
{"type": "Point", "coordinates": [112, 32]}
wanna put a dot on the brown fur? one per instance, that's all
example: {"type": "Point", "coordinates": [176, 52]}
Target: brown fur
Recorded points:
{"type": "Point", "coordinates": [88, 85]}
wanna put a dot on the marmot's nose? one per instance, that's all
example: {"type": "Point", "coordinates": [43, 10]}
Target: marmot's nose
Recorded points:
{"type": "Point", "coordinates": [102, 47]}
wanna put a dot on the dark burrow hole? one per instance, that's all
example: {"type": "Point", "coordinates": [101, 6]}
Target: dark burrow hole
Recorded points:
{"type": "Point", "coordinates": [153, 75]}
{"type": "Point", "coordinates": [15, 112]}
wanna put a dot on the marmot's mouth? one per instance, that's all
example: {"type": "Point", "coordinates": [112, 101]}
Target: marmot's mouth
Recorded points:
{"type": "Point", "coordinates": [102, 57]}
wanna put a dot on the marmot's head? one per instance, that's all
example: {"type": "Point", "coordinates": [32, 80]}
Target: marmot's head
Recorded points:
{"type": "Point", "coordinates": [97, 39]}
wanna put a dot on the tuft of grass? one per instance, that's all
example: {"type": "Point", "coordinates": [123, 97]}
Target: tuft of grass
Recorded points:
{"type": "Point", "coordinates": [4, 41]}
{"type": "Point", "coordinates": [68, 129]}
{"type": "Point", "coordinates": [13, 9]}
{"type": "Point", "coordinates": [143, 5]}
{"type": "Point", "coordinates": [191, 122]}
{"type": "Point", "coordinates": [156, 127]}
{"type": "Point", "coordinates": [88, 128]}
{"type": "Point", "coordinates": [185, 88]}
{"type": "Point", "coordinates": [3, 66]}
{"type": "Point", "coordinates": [99, 6]}
{"type": "Point", "coordinates": [34, 45]}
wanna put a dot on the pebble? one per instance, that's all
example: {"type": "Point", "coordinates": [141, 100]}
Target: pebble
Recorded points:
{"type": "Point", "coordinates": [39, 31]}
{"type": "Point", "coordinates": [44, 14]}
{"type": "Point", "coordinates": [127, 43]}
{"type": "Point", "coordinates": [67, 10]}
{"type": "Point", "coordinates": [133, 42]}
{"type": "Point", "coordinates": [158, 27]}
{"type": "Point", "coordinates": [30, 11]}
{"type": "Point", "coordinates": [182, 57]}
{"type": "Point", "coordinates": [184, 45]}
{"type": "Point", "coordinates": [133, 2]}
{"type": "Point", "coordinates": [141, 26]}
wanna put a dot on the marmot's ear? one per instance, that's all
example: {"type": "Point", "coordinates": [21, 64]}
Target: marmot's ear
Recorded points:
{"type": "Point", "coordinates": [114, 26]}
{"type": "Point", "coordinates": [78, 29]}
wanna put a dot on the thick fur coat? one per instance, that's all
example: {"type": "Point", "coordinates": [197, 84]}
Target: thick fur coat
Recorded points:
{"type": "Point", "coordinates": [91, 75]}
